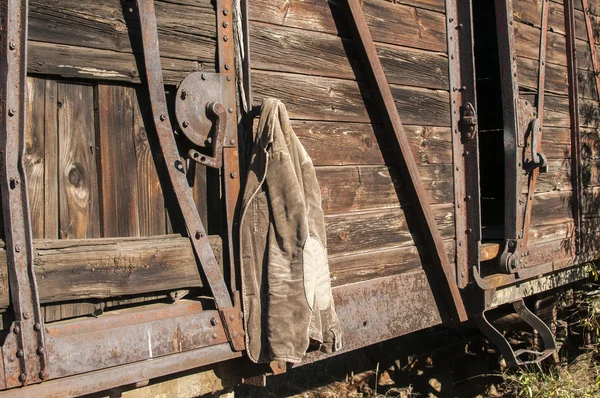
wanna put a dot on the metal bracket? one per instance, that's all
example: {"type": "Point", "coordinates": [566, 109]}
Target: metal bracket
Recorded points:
{"type": "Point", "coordinates": [511, 356]}
{"type": "Point", "coordinates": [23, 351]}
{"type": "Point", "coordinates": [468, 121]}
{"type": "Point", "coordinates": [230, 313]}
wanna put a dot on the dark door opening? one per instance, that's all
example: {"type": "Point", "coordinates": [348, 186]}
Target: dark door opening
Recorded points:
{"type": "Point", "coordinates": [490, 119]}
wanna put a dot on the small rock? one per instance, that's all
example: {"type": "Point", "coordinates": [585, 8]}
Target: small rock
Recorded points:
{"type": "Point", "coordinates": [419, 372]}
{"type": "Point", "coordinates": [385, 379]}
{"type": "Point", "coordinates": [435, 384]}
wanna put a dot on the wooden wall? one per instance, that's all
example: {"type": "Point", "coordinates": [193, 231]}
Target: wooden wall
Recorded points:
{"type": "Point", "coordinates": [552, 221]}
{"type": "Point", "coordinates": [301, 53]}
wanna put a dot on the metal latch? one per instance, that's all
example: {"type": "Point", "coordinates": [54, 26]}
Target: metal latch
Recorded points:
{"type": "Point", "coordinates": [538, 159]}
{"type": "Point", "coordinates": [468, 120]}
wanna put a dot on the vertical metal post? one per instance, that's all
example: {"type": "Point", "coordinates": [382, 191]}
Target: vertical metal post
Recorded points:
{"type": "Point", "coordinates": [574, 116]}
{"type": "Point", "coordinates": [513, 215]}
{"type": "Point", "coordinates": [465, 140]}
{"type": "Point", "coordinates": [23, 352]}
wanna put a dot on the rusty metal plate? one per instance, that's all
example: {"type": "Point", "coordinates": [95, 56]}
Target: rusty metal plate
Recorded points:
{"type": "Point", "coordinates": [194, 92]}
{"type": "Point", "coordinates": [128, 336]}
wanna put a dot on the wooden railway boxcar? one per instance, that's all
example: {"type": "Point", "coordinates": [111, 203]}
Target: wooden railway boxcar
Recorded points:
{"type": "Point", "coordinates": [455, 142]}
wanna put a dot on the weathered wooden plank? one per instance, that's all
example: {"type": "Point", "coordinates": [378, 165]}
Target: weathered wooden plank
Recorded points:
{"type": "Point", "coordinates": [35, 154]}
{"type": "Point", "coordinates": [420, 28]}
{"type": "Point", "coordinates": [106, 268]}
{"type": "Point", "coordinates": [551, 231]}
{"type": "Point", "coordinates": [338, 144]}
{"type": "Point", "coordinates": [320, 98]}
{"type": "Point", "coordinates": [556, 111]}
{"type": "Point", "coordinates": [77, 164]}
{"type": "Point", "coordinates": [354, 268]}
{"type": "Point", "coordinates": [77, 175]}
{"type": "Point", "coordinates": [558, 177]}
{"type": "Point", "coordinates": [76, 269]}
{"type": "Point", "coordinates": [551, 207]}
{"type": "Point", "coordinates": [530, 13]}
{"type": "Point", "coordinates": [62, 33]}
{"type": "Point", "coordinates": [372, 230]}
{"type": "Point", "coordinates": [88, 63]}
{"type": "Point", "coordinates": [357, 188]}
{"type": "Point", "coordinates": [51, 213]}
{"type": "Point", "coordinates": [282, 49]}
{"type": "Point", "coordinates": [151, 203]}
{"type": "Point", "coordinates": [556, 142]}
{"type": "Point", "coordinates": [433, 5]}
{"type": "Point", "coordinates": [117, 159]}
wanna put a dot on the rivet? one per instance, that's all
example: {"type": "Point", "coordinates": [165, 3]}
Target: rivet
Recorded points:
{"type": "Point", "coordinates": [225, 11]}
{"type": "Point", "coordinates": [228, 78]}
{"type": "Point", "coordinates": [214, 321]}
{"type": "Point", "coordinates": [11, 359]}
{"type": "Point", "coordinates": [11, 112]}
{"type": "Point", "coordinates": [468, 197]}
{"type": "Point", "coordinates": [232, 142]}
{"type": "Point", "coordinates": [203, 76]}
{"type": "Point", "coordinates": [225, 24]}
{"type": "Point", "coordinates": [214, 335]}
{"type": "Point", "coordinates": [17, 248]}
{"type": "Point", "coordinates": [12, 45]}
{"type": "Point", "coordinates": [241, 314]}
{"type": "Point", "coordinates": [460, 26]}
{"type": "Point", "coordinates": [37, 326]}
{"type": "Point", "coordinates": [26, 315]}
{"type": "Point", "coordinates": [19, 353]}
{"type": "Point", "coordinates": [179, 165]}
{"type": "Point", "coordinates": [232, 317]}
{"type": "Point", "coordinates": [235, 334]}
{"type": "Point", "coordinates": [233, 175]}
{"type": "Point", "coordinates": [23, 377]}
{"type": "Point", "coordinates": [225, 38]}
{"type": "Point", "coordinates": [462, 274]}
{"type": "Point", "coordinates": [198, 234]}
{"type": "Point", "coordinates": [162, 118]}
{"type": "Point", "coordinates": [185, 123]}
{"type": "Point", "coordinates": [44, 374]}
{"type": "Point", "coordinates": [16, 330]}
{"type": "Point", "coordinates": [230, 110]}
{"type": "Point", "coordinates": [227, 66]}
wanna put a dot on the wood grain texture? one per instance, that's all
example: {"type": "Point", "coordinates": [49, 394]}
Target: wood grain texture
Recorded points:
{"type": "Point", "coordinates": [384, 228]}
{"type": "Point", "coordinates": [357, 188]}
{"type": "Point", "coordinates": [51, 152]}
{"type": "Point", "coordinates": [151, 203]}
{"type": "Point", "coordinates": [282, 49]}
{"type": "Point", "coordinates": [77, 174]}
{"type": "Point", "coordinates": [118, 166]}
{"type": "Point", "coordinates": [354, 268]}
{"type": "Point", "coordinates": [35, 153]}
{"type": "Point", "coordinates": [340, 144]}
{"type": "Point", "coordinates": [420, 28]}
{"type": "Point", "coordinates": [320, 98]}
{"type": "Point", "coordinates": [102, 39]}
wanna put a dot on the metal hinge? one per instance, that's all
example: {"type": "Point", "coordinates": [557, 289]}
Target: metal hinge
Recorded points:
{"type": "Point", "coordinates": [468, 121]}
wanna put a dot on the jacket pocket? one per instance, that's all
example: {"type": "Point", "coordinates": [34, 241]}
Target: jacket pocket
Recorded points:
{"type": "Point", "coordinates": [260, 213]}
{"type": "Point", "coordinates": [317, 284]}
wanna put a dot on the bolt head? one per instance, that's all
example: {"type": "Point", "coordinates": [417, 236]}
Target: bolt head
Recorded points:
{"type": "Point", "coordinates": [44, 374]}
{"type": "Point", "coordinates": [232, 142]}
{"type": "Point", "coordinates": [230, 110]}
{"type": "Point", "coordinates": [185, 123]}
{"type": "Point", "coordinates": [19, 353]}
{"type": "Point", "coordinates": [226, 12]}
{"type": "Point", "coordinates": [26, 315]}
{"type": "Point", "coordinates": [228, 78]}
{"type": "Point", "coordinates": [225, 38]}
{"type": "Point", "coordinates": [214, 335]}
{"type": "Point", "coordinates": [23, 377]}
{"type": "Point", "coordinates": [18, 248]}
{"type": "Point", "coordinates": [16, 330]}
{"type": "Point", "coordinates": [214, 321]}
{"type": "Point", "coordinates": [233, 175]}
{"type": "Point", "coordinates": [232, 317]}
{"type": "Point", "coordinates": [227, 66]}
{"type": "Point", "coordinates": [225, 24]}
{"type": "Point", "coordinates": [40, 351]}
{"type": "Point", "coordinates": [12, 45]}
{"type": "Point", "coordinates": [162, 118]}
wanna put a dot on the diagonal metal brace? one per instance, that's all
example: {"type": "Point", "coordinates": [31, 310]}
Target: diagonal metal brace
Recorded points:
{"type": "Point", "coordinates": [230, 314]}
{"type": "Point", "coordinates": [383, 95]}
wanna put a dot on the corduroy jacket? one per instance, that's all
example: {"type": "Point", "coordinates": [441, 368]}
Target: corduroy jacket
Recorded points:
{"type": "Point", "coordinates": [286, 287]}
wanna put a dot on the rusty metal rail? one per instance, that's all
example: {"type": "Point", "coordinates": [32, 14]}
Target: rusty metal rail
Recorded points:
{"type": "Point", "coordinates": [392, 120]}
{"type": "Point", "coordinates": [23, 351]}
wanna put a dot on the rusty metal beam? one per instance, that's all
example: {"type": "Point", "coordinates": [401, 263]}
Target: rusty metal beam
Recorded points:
{"type": "Point", "coordinates": [465, 140]}
{"type": "Point", "coordinates": [387, 107]}
{"type": "Point", "coordinates": [537, 125]}
{"type": "Point", "coordinates": [23, 353]}
{"type": "Point", "coordinates": [576, 181]}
